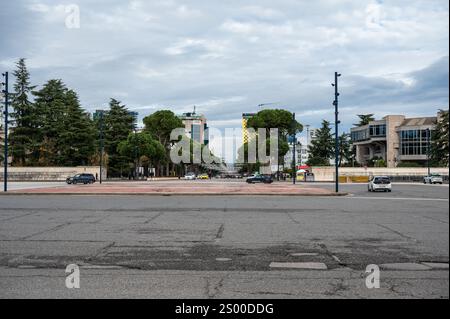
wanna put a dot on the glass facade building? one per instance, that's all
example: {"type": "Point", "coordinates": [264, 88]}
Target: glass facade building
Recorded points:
{"type": "Point", "coordinates": [413, 142]}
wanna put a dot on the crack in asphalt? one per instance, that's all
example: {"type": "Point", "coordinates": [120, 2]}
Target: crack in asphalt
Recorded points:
{"type": "Point", "coordinates": [397, 232]}
{"type": "Point", "coordinates": [153, 218]}
{"type": "Point", "coordinates": [47, 230]}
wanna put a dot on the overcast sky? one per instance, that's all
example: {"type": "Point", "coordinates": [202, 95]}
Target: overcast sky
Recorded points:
{"type": "Point", "coordinates": [226, 57]}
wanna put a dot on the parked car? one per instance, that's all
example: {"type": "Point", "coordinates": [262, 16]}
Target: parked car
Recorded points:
{"type": "Point", "coordinates": [266, 179]}
{"type": "Point", "coordinates": [190, 176]}
{"type": "Point", "coordinates": [203, 176]}
{"type": "Point", "coordinates": [81, 178]}
{"type": "Point", "coordinates": [433, 179]}
{"type": "Point", "coordinates": [380, 183]}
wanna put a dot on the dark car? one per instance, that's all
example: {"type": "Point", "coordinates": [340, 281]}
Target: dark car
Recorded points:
{"type": "Point", "coordinates": [81, 178]}
{"type": "Point", "coordinates": [266, 179]}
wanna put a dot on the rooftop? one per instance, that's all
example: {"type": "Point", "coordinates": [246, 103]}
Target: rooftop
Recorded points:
{"type": "Point", "coordinates": [419, 121]}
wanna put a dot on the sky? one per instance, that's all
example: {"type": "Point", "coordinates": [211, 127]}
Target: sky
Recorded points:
{"type": "Point", "coordinates": [228, 57]}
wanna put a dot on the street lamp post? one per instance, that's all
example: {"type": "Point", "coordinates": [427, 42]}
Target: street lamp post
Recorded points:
{"type": "Point", "coordinates": [428, 151]}
{"type": "Point", "coordinates": [336, 127]}
{"type": "Point", "coordinates": [101, 145]}
{"type": "Point", "coordinates": [294, 142]}
{"type": "Point", "coordinates": [5, 172]}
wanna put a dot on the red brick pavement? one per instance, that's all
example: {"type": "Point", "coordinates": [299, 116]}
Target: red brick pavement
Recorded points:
{"type": "Point", "coordinates": [182, 188]}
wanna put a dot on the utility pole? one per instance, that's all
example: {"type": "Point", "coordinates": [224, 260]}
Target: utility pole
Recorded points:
{"type": "Point", "coordinates": [428, 150]}
{"type": "Point", "coordinates": [101, 145]}
{"type": "Point", "coordinates": [294, 142]}
{"type": "Point", "coordinates": [5, 172]}
{"type": "Point", "coordinates": [336, 127]}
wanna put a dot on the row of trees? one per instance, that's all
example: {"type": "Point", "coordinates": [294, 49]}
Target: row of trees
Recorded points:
{"type": "Point", "coordinates": [50, 128]}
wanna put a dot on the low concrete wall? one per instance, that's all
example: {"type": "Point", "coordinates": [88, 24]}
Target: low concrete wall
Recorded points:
{"type": "Point", "coordinates": [327, 173]}
{"type": "Point", "coordinates": [48, 173]}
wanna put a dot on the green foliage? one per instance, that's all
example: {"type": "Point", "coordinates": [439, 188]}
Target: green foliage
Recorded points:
{"type": "Point", "coordinates": [376, 162]}
{"type": "Point", "coordinates": [141, 144]}
{"type": "Point", "coordinates": [118, 124]}
{"type": "Point", "coordinates": [365, 119]}
{"type": "Point", "coordinates": [65, 134]}
{"type": "Point", "coordinates": [440, 140]}
{"type": "Point", "coordinates": [160, 124]}
{"type": "Point", "coordinates": [346, 150]}
{"type": "Point", "coordinates": [23, 138]}
{"type": "Point", "coordinates": [76, 141]}
{"type": "Point", "coordinates": [321, 149]}
{"type": "Point", "coordinates": [281, 119]}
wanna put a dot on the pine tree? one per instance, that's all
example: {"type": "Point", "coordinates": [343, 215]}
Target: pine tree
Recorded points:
{"type": "Point", "coordinates": [24, 115]}
{"type": "Point", "coordinates": [51, 105]}
{"type": "Point", "coordinates": [76, 142]}
{"type": "Point", "coordinates": [118, 124]}
{"type": "Point", "coordinates": [321, 149]}
{"type": "Point", "coordinates": [440, 140]}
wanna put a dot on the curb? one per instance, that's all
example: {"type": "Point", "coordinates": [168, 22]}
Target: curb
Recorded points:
{"type": "Point", "coordinates": [176, 194]}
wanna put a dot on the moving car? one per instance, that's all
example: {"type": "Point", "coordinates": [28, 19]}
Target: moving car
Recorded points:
{"type": "Point", "coordinates": [190, 176]}
{"type": "Point", "coordinates": [433, 179]}
{"type": "Point", "coordinates": [380, 183]}
{"type": "Point", "coordinates": [81, 178]}
{"type": "Point", "coordinates": [266, 179]}
{"type": "Point", "coordinates": [203, 176]}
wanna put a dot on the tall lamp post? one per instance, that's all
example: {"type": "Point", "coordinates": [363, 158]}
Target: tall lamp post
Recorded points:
{"type": "Point", "coordinates": [5, 172]}
{"type": "Point", "coordinates": [428, 150]}
{"type": "Point", "coordinates": [294, 142]}
{"type": "Point", "coordinates": [336, 127]}
{"type": "Point", "coordinates": [101, 145]}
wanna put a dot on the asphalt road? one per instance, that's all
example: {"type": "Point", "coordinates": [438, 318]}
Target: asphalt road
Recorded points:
{"type": "Point", "coordinates": [224, 246]}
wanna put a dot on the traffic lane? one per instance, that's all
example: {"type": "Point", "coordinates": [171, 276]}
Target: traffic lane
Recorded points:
{"type": "Point", "coordinates": [399, 190]}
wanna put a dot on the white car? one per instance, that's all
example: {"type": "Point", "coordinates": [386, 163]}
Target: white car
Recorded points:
{"type": "Point", "coordinates": [433, 179]}
{"type": "Point", "coordinates": [190, 176]}
{"type": "Point", "coordinates": [380, 183]}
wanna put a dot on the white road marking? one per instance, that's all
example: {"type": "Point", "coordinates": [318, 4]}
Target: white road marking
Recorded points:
{"type": "Point", "coordinates": [398, 198]}
{"type": "Point", "coordinates": [303, 254]}
{"type": "Point", "coordinates": [306, 265]}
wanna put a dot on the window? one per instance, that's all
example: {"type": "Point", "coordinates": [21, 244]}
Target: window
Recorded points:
{"type": "Point", "coordinates": [196, 133]}
{"type": "Point", "coordinates": [359, 135]}
{"type": "Point", "coordinates": [377, 130]}
{"type": "Point", "coordinates": [414, 142]}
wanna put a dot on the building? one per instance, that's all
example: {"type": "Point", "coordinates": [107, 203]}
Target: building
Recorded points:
{"type": "Point", "coordinates": [394, 138]}
{"type": "Point", "coordinates": [245, 134]}
{"type": "Point", "coordinates": [196, 127]}
{"type": "Point", "coordinates": [298, 156]}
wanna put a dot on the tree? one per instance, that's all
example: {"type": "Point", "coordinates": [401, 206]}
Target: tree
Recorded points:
{"type": "Point", "coordinates": [24, 116]}
{"type": "Point", "coordinates": [160, 125]}
{"type": "Point", "coordinates": [139, 145]}
{"type": "Point", "coordinates": [440, 140]}
{"type": "Point", "coordinates": [76, 143]}
{"type": "Point", "coordinates": [346, 151]}
{"type": "Point", "coordinates": [321, 149]}
{"type": "Point", "coordinates": [51, 111]}
{"type": "Point", "coordinates": [281, 120]}
{"type": "Point", "coordinates": [365, 119]}
{"type": "Point", "coordinates": [118, 124]}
